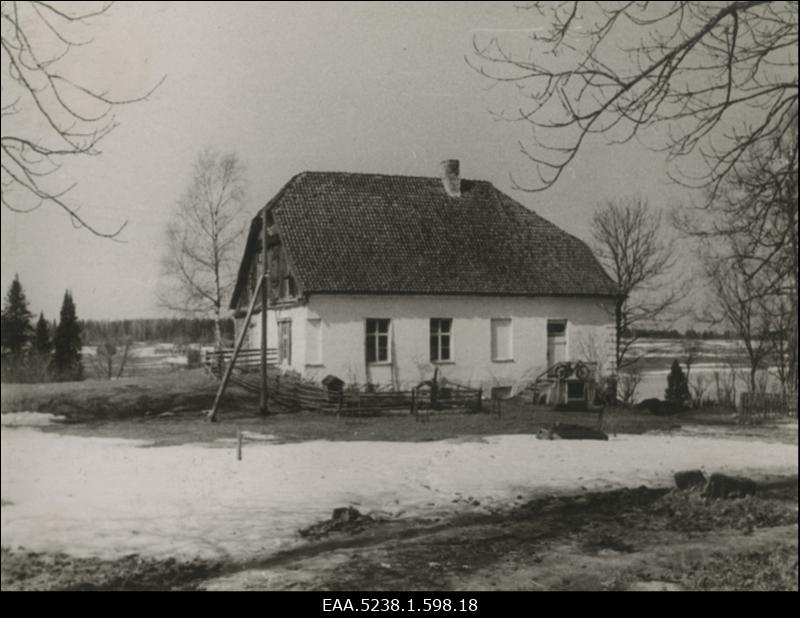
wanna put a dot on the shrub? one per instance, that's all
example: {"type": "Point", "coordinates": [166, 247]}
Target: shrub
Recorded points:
{"type": "Point", "coordinates": [677, 385]}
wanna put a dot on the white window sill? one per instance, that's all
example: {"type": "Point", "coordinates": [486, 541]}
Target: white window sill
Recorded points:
{"type": "Point", "coordinates": [502, 360]}
{"type": "Point", "coordinates": [312, 365]}
{"type": "Point", "coordinates": [379, 364]}
{"type": "Point", "coordinates": [443, 362]}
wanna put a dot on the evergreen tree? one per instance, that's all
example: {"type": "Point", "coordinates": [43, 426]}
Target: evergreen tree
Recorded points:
{"type": "Point", "coordinates": [677, 384]}
{"type": "Point", "coordinates": [16, 321]}
{"type": "Point", "coordinates": [41, 340]}
{"type": "Point", "coordinates": [67, 342]}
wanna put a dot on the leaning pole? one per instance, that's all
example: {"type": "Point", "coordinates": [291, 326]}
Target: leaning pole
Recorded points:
{"type": "Point", "coordinates": [264, 282]}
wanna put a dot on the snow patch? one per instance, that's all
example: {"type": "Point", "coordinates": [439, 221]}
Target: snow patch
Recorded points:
{"type": "Point", "coordinates": [29, 419]}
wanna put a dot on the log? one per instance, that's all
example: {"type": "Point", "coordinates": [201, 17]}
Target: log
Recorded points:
{"type": "Point", "coordinates": [722, 486]}
{"type": "Point", "coordinates": [564, 431]}
{"type": "Point", "coordinates": [690, 479]}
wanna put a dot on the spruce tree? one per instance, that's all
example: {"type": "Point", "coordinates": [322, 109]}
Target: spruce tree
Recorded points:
{"type": "Point", "coordinates": [16, 321]}
{"type": "Point", "coordinates": [41, 340]}
{"type": "Point", "coordinates": [677, 384]}
{"type": "Point", "coordinates": [67, 342]}
{"type": "Point", "coordinates": [40, 360]}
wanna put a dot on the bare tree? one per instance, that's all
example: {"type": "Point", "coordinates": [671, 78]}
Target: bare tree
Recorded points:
{"type": "Point", "coordinates": [698, 388]}
{"type": "Point", "coordinates": [753, 215]}
{"type": "Point", "coordinates": [783, 342]}
{"type": "Point", "coordinates": [628, 382]}
{"type": "Point", "coordinates": [737, 301]}
{"type": "Point", "coordinates": [103, 359]}
{"type": "Point", "coordinates": [49, 116]}
{"type": "Point", "coordinates": [712, 78]}
{"type": "Point", "coordinates": [628, 241]}
{"type": "Point", "coordinates": [203, 240]}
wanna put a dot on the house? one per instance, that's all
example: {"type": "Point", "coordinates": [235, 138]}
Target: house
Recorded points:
{"type": "Point", "coordinates": [381, 279]}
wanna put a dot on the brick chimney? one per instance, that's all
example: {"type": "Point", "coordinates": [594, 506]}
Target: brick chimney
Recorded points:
{"type": "Point", "coordinates": [451, 179]}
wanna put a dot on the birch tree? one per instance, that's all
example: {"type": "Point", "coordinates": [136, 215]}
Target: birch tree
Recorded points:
{"type": "Point", "coordinates": [203, 239]}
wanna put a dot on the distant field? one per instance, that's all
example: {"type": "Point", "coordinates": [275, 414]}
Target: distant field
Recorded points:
{"type": "Point", "coordinates": [710, 354]}
{"type": "Point", "coordinates": [723, 357]}
{"type": "Point", "coordinates": [144, 359]}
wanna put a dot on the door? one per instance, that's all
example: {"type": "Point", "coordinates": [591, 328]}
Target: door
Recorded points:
{"type": "Point", "coordinates": [556, 342]}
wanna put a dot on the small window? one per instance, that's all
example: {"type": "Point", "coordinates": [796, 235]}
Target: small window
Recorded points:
{"type": "Point", "coordinates": [502, 350]}
{"type": "Point", "coordinates": [377, 340]}
{"type": "Point", "coordinates": [274, 265]}
{"type": "Point", "coordinates": [576, 391]}
{"type": "Point", "coordinates": [255, 273]}
{"type": "Point", "coordinates": [285, 341]}
{"type": "Point", "coordinates": [556, 328]}
{"type": "Point", "coordinates": [440, 339]}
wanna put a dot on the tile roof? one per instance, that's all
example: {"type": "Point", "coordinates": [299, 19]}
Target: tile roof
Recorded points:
{"type": "Point", "coordinates": [379, 234]}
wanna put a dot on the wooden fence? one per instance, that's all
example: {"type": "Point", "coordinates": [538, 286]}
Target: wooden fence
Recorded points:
{"type": "Point", "coordinates": [761, 406]}
{"type": "Point", "coordinates": [248, 360]}
{"type": "Point", "coordinates": [293, 393]}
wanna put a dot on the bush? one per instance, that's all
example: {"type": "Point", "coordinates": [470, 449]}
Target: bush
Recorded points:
{"type": "Point", "coordinates": [677, 385]}
{"type": "Point", "coordinates": [194, 358]}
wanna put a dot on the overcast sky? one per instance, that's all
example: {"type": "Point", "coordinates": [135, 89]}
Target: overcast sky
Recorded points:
{"type": "Point", "coordinates": [359, 87]}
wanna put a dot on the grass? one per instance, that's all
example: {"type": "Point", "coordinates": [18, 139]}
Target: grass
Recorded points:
{"type": "Point", "coordinates": [96, 399]}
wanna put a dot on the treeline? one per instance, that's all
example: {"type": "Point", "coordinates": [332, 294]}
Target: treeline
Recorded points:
{"type": "Point", "coordinates": [644, 333]}
{"type": "Point", "coordinates": [166, 330]}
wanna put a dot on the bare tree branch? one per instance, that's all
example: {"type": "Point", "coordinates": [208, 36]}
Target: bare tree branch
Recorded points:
{"type": "Point", "coordinates": [702, 81]}
{"type": "Point", "coordinates": [48, 116]}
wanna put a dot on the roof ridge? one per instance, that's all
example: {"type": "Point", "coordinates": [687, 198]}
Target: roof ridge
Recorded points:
{"type": "Point", "coordinates": [382, 175]}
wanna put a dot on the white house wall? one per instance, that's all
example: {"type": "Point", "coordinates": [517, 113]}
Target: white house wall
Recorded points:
{"type": "Point", "coordinates": [343, 333]}
{"type": "Point", "coordinates": [297, 315]}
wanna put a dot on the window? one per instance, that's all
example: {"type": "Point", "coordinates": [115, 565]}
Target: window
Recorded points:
{"type": "Point", "coordinates": [556, 328]}
{"type": "Point", "coordinates": [255, 273]}
{"type": "Point", "coordinates": [501, 339]}
{"type": "Point", "coordinates": [287, 287]}
{"type": "Point", "coordinates": [285, 341]}
{"type": "Point", "coordinates": [440, 339]}
{"type": "Point", "coordinates": [274, 266]}
{"type": "Point", "coordinates": [377, 340]}
{"type": "Point", "coordinates": [576, 391]}
{"type": "Point", "coordinates": [314, 341]}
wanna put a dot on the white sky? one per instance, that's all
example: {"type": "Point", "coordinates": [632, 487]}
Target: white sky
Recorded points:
{"type": "Point", "coordinates": [360, 87]}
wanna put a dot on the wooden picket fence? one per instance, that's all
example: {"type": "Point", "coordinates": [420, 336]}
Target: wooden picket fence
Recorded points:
{"type": "Point", "coordinates": [756, 407]}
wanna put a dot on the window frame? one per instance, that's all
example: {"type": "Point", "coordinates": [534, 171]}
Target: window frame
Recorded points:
{"type": "Point", "coordinates": [437, 334]}
{"type": "Point", "coordinates": [372, 340]}
{"type": "Point", "coordinates": [282, 356]}
{"type": "Point", "coordinates": [493, 347]}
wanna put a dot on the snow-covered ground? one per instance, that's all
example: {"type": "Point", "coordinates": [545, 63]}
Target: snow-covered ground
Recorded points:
{"type": "Point", "coordinates": [29, 419]}
{"type": "Point", "coordinates": [110, 497]}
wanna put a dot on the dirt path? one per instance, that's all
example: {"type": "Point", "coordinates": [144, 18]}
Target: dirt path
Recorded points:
{"type": "Point", "coordinates": [640, 539]}
{"type": "Point", "coordinates": [615, 540]}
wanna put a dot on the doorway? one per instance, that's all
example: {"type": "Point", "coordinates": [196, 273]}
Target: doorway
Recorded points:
{"type": "Point", "coordinates": [556, 342]}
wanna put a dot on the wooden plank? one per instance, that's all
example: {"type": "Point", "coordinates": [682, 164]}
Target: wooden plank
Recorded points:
{"type": "Point", "coordinates": [212, 415]}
